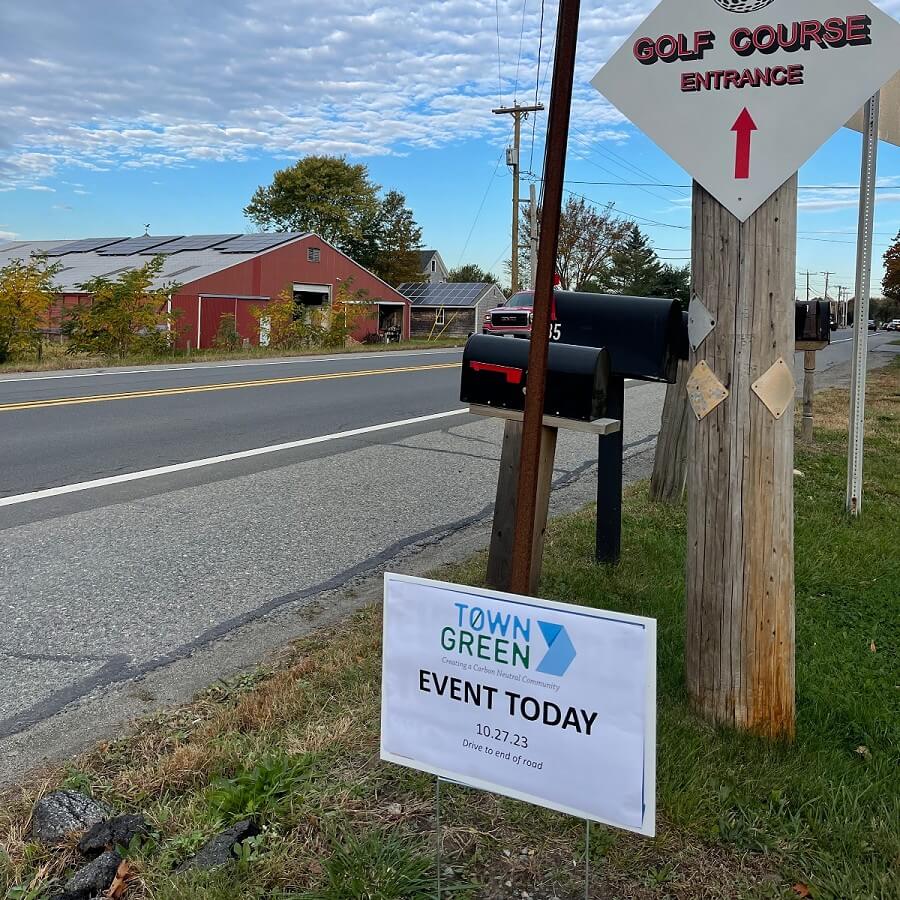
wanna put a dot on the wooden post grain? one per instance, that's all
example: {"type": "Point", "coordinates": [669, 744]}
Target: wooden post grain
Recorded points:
{"type": "Point", "coordinates": [500, 554]}
{"type": "Point", "coordinates": [670, 461]}
{"type": "Point", "coordinates": [739, 654]}
{"type": "Point", "coordinates": [809, 390]}
{"type": "Point", "coordinates": [499, 568]}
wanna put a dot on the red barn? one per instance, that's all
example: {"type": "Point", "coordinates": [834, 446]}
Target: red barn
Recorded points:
{"type": "Point", "coordinates": [221, 274]}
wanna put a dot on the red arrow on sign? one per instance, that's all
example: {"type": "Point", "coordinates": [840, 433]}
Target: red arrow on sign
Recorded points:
{"type": "Point", "coordinates": [744, 126]}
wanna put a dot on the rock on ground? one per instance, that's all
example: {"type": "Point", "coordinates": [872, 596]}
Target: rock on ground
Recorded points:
{"type": "Point", "coordinates": [61, 813]}
{"type": "Point", "coordinates": [93, 879]}
{"type": "Point", "coordinates": [220, 850]}
{"type": "Point", "coordinates": [116, 832]}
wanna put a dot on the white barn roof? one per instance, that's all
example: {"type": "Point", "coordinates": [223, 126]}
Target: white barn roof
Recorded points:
{"type": "Point", "coordinates": [187, 257]}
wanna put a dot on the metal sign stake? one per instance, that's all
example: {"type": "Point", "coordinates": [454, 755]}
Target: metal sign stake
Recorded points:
{"type": "Point", "coordinates": [587, 859]}
{"type": "Point", "coordinates": [861, 315]}
{"type": "Point", "coordinates": [438, 836]}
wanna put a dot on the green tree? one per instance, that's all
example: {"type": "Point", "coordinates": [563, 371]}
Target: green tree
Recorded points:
{"type": "Point", "coordinates": [125, 316]}
{"type": "Point", "coordinates": [339, 202]}
{"type": "Point", "coordinates": [636, 269]}
{"type": "Point", "coordinates": [891, 283]}
{"type": "Point", "coordinates": [27, 294]}
{"type": "Point", "coordinates": [227, 337]}
{"type": "Point", "coordinates": [390, 242]}
{"type": "Point", "coordinates": [674, 283]}
{"type": "Point", "coordinates": [324, 194]}
{"type": "Point", "coordinates": [471, 274]}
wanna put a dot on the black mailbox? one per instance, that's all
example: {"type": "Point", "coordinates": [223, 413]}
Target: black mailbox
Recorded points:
{"type": "Point", "coordinates": [645, 336]}
{"type": "Point", "coordinates": [495, 373]}
{"type": "Point", "coordinates": [813, 322]}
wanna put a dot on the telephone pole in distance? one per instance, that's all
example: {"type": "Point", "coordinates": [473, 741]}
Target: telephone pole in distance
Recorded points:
{"type": "Point", "coordinates": [512, 160]}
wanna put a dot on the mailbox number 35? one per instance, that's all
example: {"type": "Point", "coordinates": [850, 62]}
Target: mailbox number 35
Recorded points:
{"type": "Point", "coordinates": [555, 331]}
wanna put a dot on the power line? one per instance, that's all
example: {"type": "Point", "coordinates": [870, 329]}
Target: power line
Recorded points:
{"type": "Point", "coordinates": [499, 67]}
{"type": "Point", "coordinates": [802, 187]}
{"type": "Point", "coordinates": [481, 207]}
{"type": "Point", "coordinates": [620, 160]}
{"type": "Point", "coordinates": [537, 84]}
{"type": "Point", "coordinates": [519, 60]}
{"type": "Point", "coordinates": [610, 172]}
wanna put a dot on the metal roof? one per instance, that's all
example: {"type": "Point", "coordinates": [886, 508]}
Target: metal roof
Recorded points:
{"type": "Point", "coordinates": [181, 265]}
{"type": "Point", "coordinates": [450, 294]}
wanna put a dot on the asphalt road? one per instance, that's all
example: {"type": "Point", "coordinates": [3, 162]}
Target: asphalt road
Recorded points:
{"type": "Point", "coordinates": [161, 527]}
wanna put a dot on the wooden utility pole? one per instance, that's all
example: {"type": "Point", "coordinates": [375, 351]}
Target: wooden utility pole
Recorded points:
{"type": "Point", "coordinates": [533, 234]}
{"type": "Point", "coordinates": [530, 468]}
{"type": "Point", "coordinates": [740, 566]}
{"type": "Point", "coordinates": [512, 160]}
{"type": "Point", "coordinates": [670, 460]}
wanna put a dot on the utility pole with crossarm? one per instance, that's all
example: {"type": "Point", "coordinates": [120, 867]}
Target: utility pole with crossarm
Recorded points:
{"type": "Point", "coordinates": [512, 160]}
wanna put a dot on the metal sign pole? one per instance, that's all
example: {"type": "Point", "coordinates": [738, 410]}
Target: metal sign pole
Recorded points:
{"type": "Point", "coordinates": [861, 315]}
{"type": "Point", "coordinates": [438, 850]}
{"type": "Point", "coordinates": [587, 859]}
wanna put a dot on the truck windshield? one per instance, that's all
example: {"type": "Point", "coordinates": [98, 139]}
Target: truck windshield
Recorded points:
{"type": "Point", "coordinates": [521, 299]}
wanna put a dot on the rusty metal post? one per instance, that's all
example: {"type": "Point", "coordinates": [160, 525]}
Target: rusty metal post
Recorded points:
{"type": "Point", "coordinates": [554, 173]}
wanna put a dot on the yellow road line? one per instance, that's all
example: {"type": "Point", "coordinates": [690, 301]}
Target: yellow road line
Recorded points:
{"type": "Point", "coordinates": [206, 388]}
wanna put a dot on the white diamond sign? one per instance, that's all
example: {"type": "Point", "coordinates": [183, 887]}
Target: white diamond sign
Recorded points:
{"type": "Point", "coordinates": [740, 93]}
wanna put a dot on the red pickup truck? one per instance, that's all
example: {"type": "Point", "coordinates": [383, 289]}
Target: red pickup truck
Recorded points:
{"type": "Point", "coordinates": [513, 319]}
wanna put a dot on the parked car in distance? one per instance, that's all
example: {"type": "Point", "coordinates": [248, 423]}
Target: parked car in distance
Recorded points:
{"type": "Point", "coordinates": [872, 325]}
{"type": "Point", "coordinates": [513, 319]}
{"type": "Point", "coordinates": [893, 325]}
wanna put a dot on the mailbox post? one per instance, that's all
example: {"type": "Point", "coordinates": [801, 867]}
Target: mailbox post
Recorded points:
{"type": "Point", "coordinates": [645, 336]}
{"type": "Point", "coordinates": [495, 378]}
{"type": "Point", "coordinates": [813, 330]}
{"type": "Point", "coordinates": [610, 462]}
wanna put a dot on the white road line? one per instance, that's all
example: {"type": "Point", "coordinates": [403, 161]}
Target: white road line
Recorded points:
{"type": "Point", "coordinates": [25, 377]}
{"type": "Point", "coordinates": [216, 460]}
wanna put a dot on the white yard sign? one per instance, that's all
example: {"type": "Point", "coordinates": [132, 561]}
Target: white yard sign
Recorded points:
{"type": "Point", "coordinates": [740, 93]}
{"type": "Point", "coordinates": [544, 702]}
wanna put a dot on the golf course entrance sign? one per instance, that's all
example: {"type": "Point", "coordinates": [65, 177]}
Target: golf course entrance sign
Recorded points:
{"type": "Point", "coordinates": [740, 93]}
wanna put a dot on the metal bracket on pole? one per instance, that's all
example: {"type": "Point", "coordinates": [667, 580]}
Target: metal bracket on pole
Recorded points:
{"type": "Point", "coordinates": [861, 314]}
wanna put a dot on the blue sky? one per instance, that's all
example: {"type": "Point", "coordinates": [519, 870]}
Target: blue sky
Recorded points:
{"type": "Point", "coordinates": [114, 115]}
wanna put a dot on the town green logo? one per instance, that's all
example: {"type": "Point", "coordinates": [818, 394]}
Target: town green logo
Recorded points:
{"type": "Point", "coordinates": [506, 639]}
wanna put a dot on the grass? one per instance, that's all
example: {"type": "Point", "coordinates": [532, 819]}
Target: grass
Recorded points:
{"type": "Point", "coordinates": [296, 743]}
{"type": "Point", "coordinates": [55, 358]}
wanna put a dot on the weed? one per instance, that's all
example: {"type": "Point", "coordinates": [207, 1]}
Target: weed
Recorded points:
{"type": "Point", "coordinates": [379, 866]}
{"type": "Point", "coordinates": [264, 792]}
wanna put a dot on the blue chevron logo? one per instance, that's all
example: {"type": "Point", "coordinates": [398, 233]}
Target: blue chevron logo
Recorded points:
{"type": "Point", "coordinates": [561, 652]}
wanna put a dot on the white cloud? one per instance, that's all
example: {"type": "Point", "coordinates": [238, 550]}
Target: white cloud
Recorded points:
{"type": "Point", "coordinates": [8, 235]}
{"type": "Point", "coordinates": [833, 198]}
{"type": "Point", "coordinates": [167, 84]}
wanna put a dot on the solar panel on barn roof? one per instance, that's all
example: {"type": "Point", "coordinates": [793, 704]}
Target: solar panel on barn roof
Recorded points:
{"type": "Point", "coordinates": [256, 243]}
{"type": "Point", "coordinates": [87, 245]}
{"type": "Point", "coordinates": [137, 245]}
{"type": "Point", "coordinates": [193, 242]}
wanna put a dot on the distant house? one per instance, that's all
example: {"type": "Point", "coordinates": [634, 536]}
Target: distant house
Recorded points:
{"type": "Point", "coordinates": [223, 274]}
{"type": "Point", "coordinates": [451, 310]}
{"type": "Point", "coordinates": [432, 267]}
